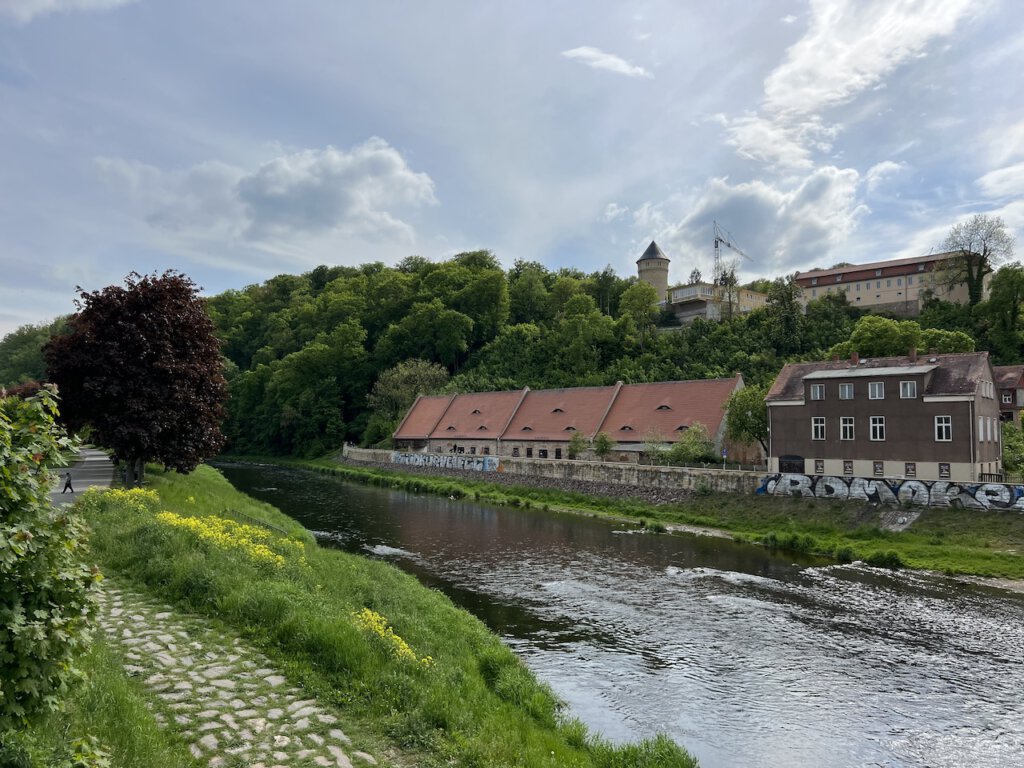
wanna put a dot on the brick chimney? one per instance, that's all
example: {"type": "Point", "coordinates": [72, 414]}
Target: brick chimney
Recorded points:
{"type": "Point", "coordinates": [854, 358]}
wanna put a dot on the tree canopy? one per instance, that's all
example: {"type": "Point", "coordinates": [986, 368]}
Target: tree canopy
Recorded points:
{"type": "Point", "coordinates": [141, 366]}
{"type": "Point", "coordinates": [981, 244]}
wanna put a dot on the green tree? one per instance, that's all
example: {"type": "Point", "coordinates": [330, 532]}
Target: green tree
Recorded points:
{"type": "Point", "coordinates": [980, 243]}
{"type": "Point", "coordinates": [639, 303]}
{"type": "Point", "coordinates": [602, 445]}
{"type": "Point", "coordinates": [783, 316]}
{"type": "Point", "coordinates": [695, 444]}
{"type": "Point", "coordinates": [655, 445]}
{"type": "Point", "coordinates": [578, 443]}
{"type": "Point", "coordinates": [1013, 447]}
{"type": "Point", "coordinates": [875, 336]}
{"type": "Point", "coordinates": [746, 418]}
{"type": "Point", "coordinates": [142, 367]}
{"type": "Point", "coordinates": [395, 391]}
{"type": "Point", "coordinates": [1003, 310]}
{"type": "Point", "coordinates": [430, 331]}
{"type": "Point", "coordinates": [945, 342]}
{"type": "Point", "coordinates": [21, 352]}
{"type": "Point", "coordinates": [47, 591]}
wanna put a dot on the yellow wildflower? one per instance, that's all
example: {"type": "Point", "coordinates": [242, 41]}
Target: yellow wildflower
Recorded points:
{"type": "Point", "coordinates": [372, 622]}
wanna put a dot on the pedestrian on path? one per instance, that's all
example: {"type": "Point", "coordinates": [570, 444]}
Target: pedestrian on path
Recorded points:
{"type": "Point", "coordinates": [67, 483]}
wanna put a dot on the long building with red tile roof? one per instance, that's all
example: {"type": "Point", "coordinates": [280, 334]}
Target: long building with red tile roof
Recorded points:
{"type": "Point", "coordinates": [540, 423]}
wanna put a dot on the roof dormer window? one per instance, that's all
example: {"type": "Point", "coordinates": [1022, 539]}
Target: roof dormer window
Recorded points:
{"type": "Point", "coordinates": [558, 410]}
{"type": "Point", "coordinates": [626, 428]}
{"type": "Point", "coordinates": [527, 429]}
{"type": "Point", "coordinates": [664, 408]}
{"type": "Point", "coordinates": [476, 410]}
{"type": "Point", "coordinates": [570, 428]}
{"type": "Point", "coordinates": [481, 427]}
{"type": "Point", "coordinates": [682, 428]}
{"type": "Point", "coordinates": [450, 428]}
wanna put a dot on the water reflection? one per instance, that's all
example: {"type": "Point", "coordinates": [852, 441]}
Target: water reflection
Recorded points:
{"type": "Point", "coordinates": [746, 658]}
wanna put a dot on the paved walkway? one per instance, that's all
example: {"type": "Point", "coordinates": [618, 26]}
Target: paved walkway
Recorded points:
{"type": "Point", "coordinates": [226, 699]}
{"type": "Point", "coordinates": [92, 468]}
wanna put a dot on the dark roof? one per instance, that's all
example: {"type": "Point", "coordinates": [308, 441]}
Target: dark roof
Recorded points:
{"type": "Point", "coordinates": [653, 252]}
{"type": "Point", "coordinates": [954, 374]}
{"type": "Point", "coordinates": [1008, 376]}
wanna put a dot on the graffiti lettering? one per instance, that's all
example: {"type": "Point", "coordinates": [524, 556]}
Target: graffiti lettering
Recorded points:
{"type": "Point", "coordinates": [937, 493]}
{"type": "Point", "coordinates": [447, 461]}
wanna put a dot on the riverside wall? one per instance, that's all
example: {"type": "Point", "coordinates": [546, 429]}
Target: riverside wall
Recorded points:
{"type": "Point", "coordinates": [667, 484]}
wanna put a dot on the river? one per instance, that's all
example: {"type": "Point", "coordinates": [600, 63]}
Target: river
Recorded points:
{"type": "Point", "coordinates": [744, 657]}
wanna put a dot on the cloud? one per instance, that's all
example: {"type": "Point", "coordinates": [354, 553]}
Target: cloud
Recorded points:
{"type": "Point", "coordinates": [781, 229]}
{"type": "Point", "coordinates": [777, 143]}
{"type": "Point", "coordinates": [24, 11]}
{"type": "Point", "coordinates": [613, 211]}
{"type": "Point", "coordinates": [880, 171]}
{"type": "Point", "coordinates": [310, 193]}
{"type": "Point", "coordinates": [851, 45]}
{"type": "Point", "coordinates": [788, 18]}
{"type": "Point", "coordinates": [598, 59]}
{"type": "Point", "coordinates": [1003, 182]}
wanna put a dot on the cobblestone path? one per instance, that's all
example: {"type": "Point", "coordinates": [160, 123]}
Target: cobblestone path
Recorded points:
{"type": "Point", "coordinates": [225, 698]}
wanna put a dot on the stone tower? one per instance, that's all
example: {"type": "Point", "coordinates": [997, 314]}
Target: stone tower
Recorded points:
{"type": "Point", "coordinates": [652, 268]}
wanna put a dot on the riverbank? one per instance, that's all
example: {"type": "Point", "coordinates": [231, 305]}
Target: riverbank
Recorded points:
{"type": "Point", "coordinates": [416, 680]}
{"type": "Point", "coordinates": [980, 543]}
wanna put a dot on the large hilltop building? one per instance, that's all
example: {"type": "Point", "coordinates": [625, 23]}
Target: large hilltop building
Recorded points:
{"type": "Point", "coordinates": [539, 423]}
{"type": "Point", "coordinates": [896, 286]}
{"type": "Point", "coordinates": [693, 300]}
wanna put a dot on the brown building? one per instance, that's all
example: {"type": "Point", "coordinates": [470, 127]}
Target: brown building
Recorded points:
{"type": "Point", "coordinates": [1010, 383]}
{"type": "Point", "coordinates": [931, 418]}
{"type": "Point", "coordinates": [539, 423]}
{"type": "Point", "coordinates": [896, 286]}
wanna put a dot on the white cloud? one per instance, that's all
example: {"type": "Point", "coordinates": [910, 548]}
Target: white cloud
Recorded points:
{"type": "Point", "coordinates": [613, 211]}
{"type": "Point", "coordinates": [779, 143]}
{"type": "Point", "coordinates": [1003, 182]}
{"type": "Point", "coordinates": [311, 193]}
{"type": "Point", "coordinates": [851, 45]}
{"type": "Point", "coordinates": [789, 18]}
{"type": "Point", "coordinates": [23, 11]}
{"type": "Point", "coordinates": [880, 171]}
{"type": "Point", "coordinates": [598, 59]}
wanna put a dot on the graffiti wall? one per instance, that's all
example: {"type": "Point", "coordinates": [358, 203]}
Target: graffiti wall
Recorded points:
{"type": "Point", "coordinates": [447, 461]}
{"type": "Point", "coordinates": [932, 493]}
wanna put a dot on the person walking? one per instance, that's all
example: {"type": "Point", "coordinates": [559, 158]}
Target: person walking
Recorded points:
{"type": "Point", "coordinates": [67, 483]}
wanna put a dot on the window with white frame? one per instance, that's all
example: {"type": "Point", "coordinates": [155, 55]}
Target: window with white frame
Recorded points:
{"type": "Point", "coordinates": [817, 391]}
{"type": "Point", "coordinates": [846, 391]}
{"type": "Point", "coordinates": [817, 428]}
{"type": "Point", "coordinates": [876, 390]}
{"type": "Point", "coordinates": [908, 390]}
{"type": "Point", "coordinates": [981, 429]}
{"type": "Point", "coordinates": [846, 428]}
{"type": "Point", "coordinates": [943, 428]}
{"type": "Point", "coordinates": [1007, 398]}
{"type": "Point", "coordinates": [878, 428]}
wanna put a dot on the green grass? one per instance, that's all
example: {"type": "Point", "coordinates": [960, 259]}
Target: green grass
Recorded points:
{"type": "Point", "coordinates": [476, 706]}
{"type": "Point", "coordinates": [109, 706]}
{"type": "Point", "coordinates": [954, 541]}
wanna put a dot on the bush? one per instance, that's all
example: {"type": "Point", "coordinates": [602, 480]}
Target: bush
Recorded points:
{"type": "Point", "coordinates": [694, 445]}
{"type": "Point", "coordinates": [47, 592]}
{"type": "Point", "coordinates": [888, 559]}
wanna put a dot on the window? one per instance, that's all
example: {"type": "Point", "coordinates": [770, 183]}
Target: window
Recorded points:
{"type": "Point", "coordinates": [558, 453]}
{"type": "Point", "coordinates": [529, 453]}
{"type": "Point", "coordinates": [878, 284]}
{"type": "Point", "coordinates": [515, 452]}
{"type": "Point", "coordinates": [858, 286]}
{"type": "Point", "coordinates": [910, 280]}
{"type": "Point", "coordinates": [846, 428]}
{"type": "Point", "coordinates": [899, 281]}
{"type": "Point", "coordinates": [878, 428]}
{"type": "Point", "coordinates": [664, 408]}
{"type": "Point", "coordinates": [819, 466]}
{"type": "Point", "coordinates": [839, 278]}
{"type": "Point", "coordinates": [879, 467]}
{"type": "Point", "coordinates": [910, 469]}
{"type": "Point", "coordinates": [817, 428]}
{"type": "Point", "coordinates": [814, 292]}
{"type": "Point", "coordinates": [981, 429]}
{"type": "Point", "coordinates": [817, 391]}
{"type": "Point", "coordinates": [570, 428]}
{"type": "Point", "coordinates": [878, 273]}
{"type": "Point", "coordinates": [944, 428]}
{"type": "Point", "coordinates": [908, 390]}
{"type": "Point", "coordinates": [481, 428]}
{"type": "Point", "coordinates": [450, 428]}
{"type": "Point", "coordinates": [846, 391]}
{"type": "Point", "coordinates": [847, 467]}
{"type": "Point", "coordinates": [626, 428]}
{"type": "Point", "coordinates": [487, 451]}
{"type": "Point", "coordinates": [920, 268]}
{"type": "Point", "coordinates": [1007, 398]}
{"type": "Point", "coordinates": [542, 453]}
{"type": "Point", "coordinates": [814, 281]}
{"type": "Point", "coordinates": [943, 470]}
{"type": "Point", "coordinates": [527, 429]}
{"type": "Point", "coordinates": [472, 450]}
{"type": "Point", "coordinates": [888, 283]}
{"type": "Point", "coordinates": [557, 410]}
{"type": "Point", "coordinates": [476, 410]}
{"type": "Point", "coordinates": [876, 390]}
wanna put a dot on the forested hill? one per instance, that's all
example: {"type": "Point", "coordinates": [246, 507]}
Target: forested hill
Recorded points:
{"type": "Point", "coordinates": [340, 352]}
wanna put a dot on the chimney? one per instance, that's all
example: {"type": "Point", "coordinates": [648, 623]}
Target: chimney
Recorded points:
{"type": "Point", "coordinates": [912, 354]}
{"type": "Point", "coordinates": [854, 358]}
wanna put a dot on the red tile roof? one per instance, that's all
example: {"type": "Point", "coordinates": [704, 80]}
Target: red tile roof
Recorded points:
{"type": "Point", "coordinates": [419, 422]}
{"type": "Point", "coordinates": [663, 407]}
{"type": "Point", "coordinates": [548, 414]}
{"type": "Point", "coordinates": [481, 415]}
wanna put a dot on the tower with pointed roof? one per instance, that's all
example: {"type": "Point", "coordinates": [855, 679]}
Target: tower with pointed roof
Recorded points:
{"type": "Point", "coordinates": [652, 268]}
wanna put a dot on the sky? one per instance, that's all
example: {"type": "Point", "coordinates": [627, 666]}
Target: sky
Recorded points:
{"type": "Point", "coordinates": [236, 141]}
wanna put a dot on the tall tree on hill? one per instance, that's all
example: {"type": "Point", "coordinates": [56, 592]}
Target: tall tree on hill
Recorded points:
{"type": "Point", "coordinates": [141, 366]}
{"type": "Point", "coordinates": [981, 244]}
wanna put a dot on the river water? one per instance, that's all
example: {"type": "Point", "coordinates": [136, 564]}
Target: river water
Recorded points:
{"type": "Point", "coordinates": [745, 658]}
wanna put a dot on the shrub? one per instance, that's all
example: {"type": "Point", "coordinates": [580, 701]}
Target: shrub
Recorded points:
{"type": "Point", "coordinates": [47, 591]}
{"type": "Point", "coordinates": [888, 559]}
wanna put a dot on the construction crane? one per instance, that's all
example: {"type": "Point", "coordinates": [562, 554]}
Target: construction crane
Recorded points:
{"type": "Point", "coordinates": [722, 237]}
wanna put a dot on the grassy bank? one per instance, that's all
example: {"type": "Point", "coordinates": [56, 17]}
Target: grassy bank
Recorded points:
{"type": "Point", "coordinates": [954, 541]}
{"type": "Point", "coordinates": [109, 707]}
{"type": "Point", "coordinates": [415, 678]}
